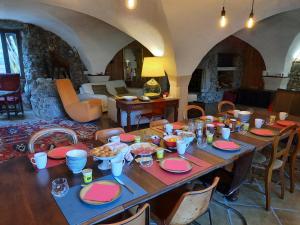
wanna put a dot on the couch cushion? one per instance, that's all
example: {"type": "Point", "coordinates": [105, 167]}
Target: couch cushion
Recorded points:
{"type": "Point", "coordinates": [121, 90]}
{"type": "Point", "coordinates": [98, 78]}
{"type": "Point", "coordinates": [100, 90]}
{"type": "Point", "coordinates": [111, 85]}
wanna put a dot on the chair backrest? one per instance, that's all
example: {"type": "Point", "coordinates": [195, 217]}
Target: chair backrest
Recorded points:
{"type": "Point", "coordinates": [9, 82]}
{"type": "Point", "coordinates": [187, 108]}
{"type": "Point", "coordinates": [191, 205]}
{"type": "Point", "coordinates": [49, 131]}
{"type": "Point", "coordinates": [142, 217]}
{"type": "Point", "coordinates": [104, 135]}
{"type": "Point", "coordinates": [225, 106]}
{"type": "Point", "coordinates": [157, 123]}
{"type": "Point", "coordinates": [66, 92]}
{"type": "Point", "coordinates": [280, 152]}
{"type": "Point", "coordinates": [296, 149]}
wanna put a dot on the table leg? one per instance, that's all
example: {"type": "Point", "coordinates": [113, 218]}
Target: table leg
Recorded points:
{"type": "Point", "coordinates": [175, 113]}
{"type": "Point", "coordinates": [7, 107]}
{"type": "Point", "coordinates": [128, 121]}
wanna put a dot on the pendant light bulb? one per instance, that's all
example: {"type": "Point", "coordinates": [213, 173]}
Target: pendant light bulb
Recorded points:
{"type": "Point", "coordinates": [250, 22]}
{"type": "Point", "coordinates": [131, 4]}
{"type": "Point", "coordinates": [223, 19]}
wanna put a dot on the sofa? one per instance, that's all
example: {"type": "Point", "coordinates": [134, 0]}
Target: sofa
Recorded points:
{"type": "Point", "coordinates": [87, 91]}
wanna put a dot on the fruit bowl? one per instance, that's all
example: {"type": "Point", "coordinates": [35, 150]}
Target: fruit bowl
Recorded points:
{"type": "Point", "coordinates": [170, 141]}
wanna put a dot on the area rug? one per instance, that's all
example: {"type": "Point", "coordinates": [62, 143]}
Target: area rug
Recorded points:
{"type": "Point", "coordinates": [14, 139]}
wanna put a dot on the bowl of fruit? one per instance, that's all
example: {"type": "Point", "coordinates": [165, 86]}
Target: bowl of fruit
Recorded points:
{"type": "Point", "coordinates": [170, 141]}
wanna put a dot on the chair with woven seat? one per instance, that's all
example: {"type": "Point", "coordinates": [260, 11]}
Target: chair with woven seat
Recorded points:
{"type": "Point", "coordinates": [224, 106]}
{"type": "Point", "coordinates": [188, 205]}
{"type": "Point", "coordinates": [104, 135]}
{"type": "Point", "coordinates": [157, 123]}
{"type": "Point", "coordinates": [295, 154]}
{"type": "Point", "coordinates": [81, 111]}
{"type": "Point", "coordinates": [189, 108]}
{"type": "Point", "coordinates": [141, 217]}
{"type": "Point", "coordinates": [50, 131]}
{"type": "Point", "coordinates": [278, 157]}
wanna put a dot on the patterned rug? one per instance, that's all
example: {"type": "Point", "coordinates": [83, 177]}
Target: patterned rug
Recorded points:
{"type": "Point", "coordinates": [14, 139]}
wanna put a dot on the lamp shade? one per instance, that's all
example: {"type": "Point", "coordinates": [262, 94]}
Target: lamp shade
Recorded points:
{"type": "Point", "coordinates": [153, 67]}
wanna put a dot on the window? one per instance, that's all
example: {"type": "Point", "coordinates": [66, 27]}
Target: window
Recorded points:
{"type": "Point", "coordinates": [10, 52]}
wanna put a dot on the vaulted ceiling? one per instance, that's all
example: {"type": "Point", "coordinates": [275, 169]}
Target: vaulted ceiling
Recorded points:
{"type": "Point", "coordinates": [182, 30]}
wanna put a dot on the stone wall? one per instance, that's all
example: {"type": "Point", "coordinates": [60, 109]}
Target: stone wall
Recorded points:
{"type": "Point", "coordinates": [294, 82]}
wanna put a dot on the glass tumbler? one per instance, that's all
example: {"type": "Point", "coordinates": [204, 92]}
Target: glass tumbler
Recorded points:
{"type": "Point", "coordinates": [146, 160]}
{"type": "Point", "coordinates": [60, 187]}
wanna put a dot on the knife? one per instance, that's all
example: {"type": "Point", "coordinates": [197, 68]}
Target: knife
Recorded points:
{"type": "Point", "coordinates": [123, 184]}
{"type": "Point", "coordinates": [181, 156]}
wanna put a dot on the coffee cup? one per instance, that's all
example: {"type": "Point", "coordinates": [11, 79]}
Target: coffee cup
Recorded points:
{"type": "Point", "coordinates": [114, 139]}
{"type": "Point", "coordinates": [181, 146]}
{"type": "Point", "coordinates": [40, 160]}
{"type": "Point", "coordinates": [117, 166]}
{"type": "Point", "coordinates": [283, 115]}
{"type": "Point", "coordinates": [225, 133]}
{"type": "Point", "coordinates": [236, 113]}
{"type": "Point", "coordinates": [259, 123]}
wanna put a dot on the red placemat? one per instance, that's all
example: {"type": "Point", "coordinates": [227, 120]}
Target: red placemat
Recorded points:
{"type": "Point", "coordinates": [171, 178]}
{"type": "Point", "coordinates": [56, 162]}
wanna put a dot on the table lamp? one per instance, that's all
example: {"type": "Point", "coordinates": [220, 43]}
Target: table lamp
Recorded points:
{"type": "Point", "coordinates": [152, 67]}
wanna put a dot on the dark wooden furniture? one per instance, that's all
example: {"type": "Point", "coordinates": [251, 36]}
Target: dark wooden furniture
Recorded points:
{"type": "Point", "coordinates": [130, 106]}
{"type": "Point", "coordinates": [10, 94]}
{"type": "Point", "coordinates": [256, 98]}
{"type": "Point", "coordinates": [287, 101]}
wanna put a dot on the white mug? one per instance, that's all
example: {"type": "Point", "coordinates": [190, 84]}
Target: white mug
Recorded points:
{"type": "Point", "coordinates": [283, 115]}
{"type": "Point", "coordinates": [114, 139]}
{"type": "Point", "coordinates": [169, 128]}
{"type": "Point", "coordinates": [181, 146]}
{"type": "Point", "coordinates": [40, 160]}
{"type": "Point", "coordinates": [210, 118]}
{"type": "Point", "coordinates": [236, 113]}
{"type": "Point", "coordinates": [225, 133]}
{"type": "Point", "coordinates": [117, 166]}
{"type": "Point", "coordinates": [259, 123]}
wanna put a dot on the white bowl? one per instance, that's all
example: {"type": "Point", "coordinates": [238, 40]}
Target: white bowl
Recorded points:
{"type": "Point", "coordinates": [129, 98]}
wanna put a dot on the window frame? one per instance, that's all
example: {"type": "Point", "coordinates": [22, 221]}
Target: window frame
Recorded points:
{"type": "Point", "coordinates": [5, 50]}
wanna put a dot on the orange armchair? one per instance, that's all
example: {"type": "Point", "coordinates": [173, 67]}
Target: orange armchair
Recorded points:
{"type": "Point", "coordinates": [84, 111]}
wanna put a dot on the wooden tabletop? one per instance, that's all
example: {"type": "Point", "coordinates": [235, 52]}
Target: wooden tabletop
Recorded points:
{"type": "Point", "coordinates": [26, 194]}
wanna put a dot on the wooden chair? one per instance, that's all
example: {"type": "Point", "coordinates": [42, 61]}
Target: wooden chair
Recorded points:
{"type": "Point", "coordinates": [49, 131]}
{"type": "Point", "coordinates": [142, 217]}
{"type": "Point", "coordinates": [228, 105]}
{"type": "Point", "coordinates": [293, 157]}
{"type": "Point", "coordinates": [104, 135]}
{"type": "Point", "coordinates": [157, 123]}
{"type": "Point", "coordinates": [277, 160]}
{"type": "Point", "coordinates": [187, 108]}
{"type": "Point", "coordinates": [188, 208]}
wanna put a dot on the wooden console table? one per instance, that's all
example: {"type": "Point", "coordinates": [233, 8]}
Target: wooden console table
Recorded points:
{"type": "Point", "coordinates": [130, 106]}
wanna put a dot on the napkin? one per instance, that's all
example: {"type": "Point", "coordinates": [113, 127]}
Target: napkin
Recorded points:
{"type": "Point", "coordinates": [102, 192]}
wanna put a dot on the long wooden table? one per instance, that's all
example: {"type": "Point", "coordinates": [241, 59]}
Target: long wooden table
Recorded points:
{"type": "Point", "coordinates": [26, 194]}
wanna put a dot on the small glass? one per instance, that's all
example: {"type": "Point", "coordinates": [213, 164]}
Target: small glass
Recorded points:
{"type": "Point", "coordinates": [272, 119]}
{"type": "Point", "coordinates": [146, 160]}
{"type": "Point", "coordinates": [221, 119]}
{"type": "Point", "coordinates": [137, 139]}
{"type": "Point", "coordinates": [160, 153]}
{"type": "Point", "coordinates": [87, 175]}
{"type": "Point", "coordinates": [246, 126]}
{"type": "Point", "coordinates": [60, 187]}
{"type": "Point", "coordinates": [201, 142]}
{"type": "Point", "coordinates": [191, 126]}
{"type": "Point", "coordinates": [209, 138]}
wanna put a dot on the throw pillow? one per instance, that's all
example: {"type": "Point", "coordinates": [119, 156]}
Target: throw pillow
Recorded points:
{"type": "Point", "coordinates": [121, 90]}
{"type": "Point", "coordinates": [100, 90]}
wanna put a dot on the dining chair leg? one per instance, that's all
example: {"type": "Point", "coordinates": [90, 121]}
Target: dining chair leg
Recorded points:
{"type": "Point", "coordinates": [209, 216]}
{"type": "Point", "coordinates": [282, 183]}
{"type": "Point", "coordinates": [268, 179]}
{"type": "Point", "coordinates": [292, 174]}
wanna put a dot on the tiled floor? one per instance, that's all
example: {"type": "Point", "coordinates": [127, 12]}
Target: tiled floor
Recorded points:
{"type": "Point", "coordinates": [251, 204]}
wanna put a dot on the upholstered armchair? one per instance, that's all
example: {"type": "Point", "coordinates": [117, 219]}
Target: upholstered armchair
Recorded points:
{"type": "Point", "coordinates": [81, 111]}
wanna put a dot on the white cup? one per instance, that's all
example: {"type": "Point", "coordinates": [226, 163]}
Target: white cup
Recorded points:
{"type": "Point", "coordinates": [259, 123]}
{"type": "Point", "coordinates": [225, 133]}
{"type": "Point", "coordinates": [181, 146]}
{"type": "Point", "coordinates": [40, 160]}
{"type": "Point", "coordinates": [210, 118]}
{"type": "Point", "coordinates": [236, 113]}
{"type": "Point", "coordinates": [114, 139]}
{"type": "Point", "coordinates": [169, 128]}
{"type": "Point", "coordinates": [117, 166]}
{"type": "Point", "coordinates": [283, 115]}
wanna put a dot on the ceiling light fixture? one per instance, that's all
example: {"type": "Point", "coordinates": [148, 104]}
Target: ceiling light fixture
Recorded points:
{"type": "Point", "coordinates": [131, 4]}
{"type": "Point", "coordinates": [250, 22]}
{"type": "Point", "coordinates": [223, 19]}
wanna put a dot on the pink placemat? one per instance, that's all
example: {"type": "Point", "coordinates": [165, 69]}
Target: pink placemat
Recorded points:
{"type": "Point", "coordinates": [169, 178]}
{"type": "Point", "coordinates": [57, 162]}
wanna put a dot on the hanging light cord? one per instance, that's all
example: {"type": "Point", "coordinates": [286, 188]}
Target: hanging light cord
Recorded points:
{"type": "Point", "coordinates": [251, 7]}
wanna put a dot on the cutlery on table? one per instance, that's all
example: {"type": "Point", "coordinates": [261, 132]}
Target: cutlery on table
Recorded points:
{"type": "Point", "coordinates": [123, 184]}
{"type": "Point", "coordinates": [183, 157]}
